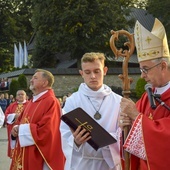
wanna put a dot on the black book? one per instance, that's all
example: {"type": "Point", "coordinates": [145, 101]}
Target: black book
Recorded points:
{"type": "Point", "coordinates": [99, 136]}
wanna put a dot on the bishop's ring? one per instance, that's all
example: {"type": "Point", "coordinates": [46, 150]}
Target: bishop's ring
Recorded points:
{"type": "Point", "coordinates": [121, 121]}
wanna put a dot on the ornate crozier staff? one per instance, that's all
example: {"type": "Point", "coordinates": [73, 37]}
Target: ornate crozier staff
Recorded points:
{"type": "Point", "coordinates": [125, 79]}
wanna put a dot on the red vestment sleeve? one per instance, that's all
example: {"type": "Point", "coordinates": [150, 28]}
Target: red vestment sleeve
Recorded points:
{"type": "Point", "coordinates": [156, 134]}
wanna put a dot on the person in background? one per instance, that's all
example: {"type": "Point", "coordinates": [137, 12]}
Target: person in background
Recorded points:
{"type": "Point", "coordinates": [6, 96]}
{"type": "Point", "coordinates": [12, 113]}
{"type": "Point", "coordinates": [3, 104]}
{"type": "Point", "coordinates": [4, 85]}
{"type": "Point", "coordinates": [36, 137]}
{"type": "Point", "coordinates": [69, 94]}
{"type": "Point", "coordinates": [64, 100]}
{"type": "Point", "coordinates": [11, 98]}
{"type": "Point", "coordinates": [149, 138]}
{"type": "Point", "coordinates": [2, 117]}
{"type": "Point", "coordinates": [102, 104]}
{"type": "Point", "coordinates": [60, 101]}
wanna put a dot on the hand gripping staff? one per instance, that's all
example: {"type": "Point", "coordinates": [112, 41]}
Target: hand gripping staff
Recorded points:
{"type": "Point", "coordinates": [126, 81]}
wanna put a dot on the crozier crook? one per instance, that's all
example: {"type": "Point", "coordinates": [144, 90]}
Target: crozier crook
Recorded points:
{"type": "Point", "coordinates": [125, 79]}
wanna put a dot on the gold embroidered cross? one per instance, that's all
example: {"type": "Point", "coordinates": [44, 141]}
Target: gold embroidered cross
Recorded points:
{"type": "Point", "coordinates": [19, 108]}
{"type": "Point", "coordinates": [148, 39]}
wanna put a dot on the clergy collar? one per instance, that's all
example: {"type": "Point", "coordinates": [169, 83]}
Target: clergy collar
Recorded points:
{"type": "Point", "coordinates": [99, 90]}
{"type": "Point", "coordinates": [103, 91]}
{"type": "Point", "coordinates": [160, 90]}
{"type": "Point", "coordinates": [21, 102]}
{"type": "Point", "coordinates": [36, 97]}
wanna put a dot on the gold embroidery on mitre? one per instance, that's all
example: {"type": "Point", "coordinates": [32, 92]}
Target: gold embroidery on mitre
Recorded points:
{"type": "Point", "coordinates": [150, 116]}
{"type": "Point", "coordinates": [165, 51]}
{"type": "Point", "coordinates": [152, 53]}
{"type": "Point", "coordinates": [151, 45]}
{"type": "Point", "coordinates": [148, 39]}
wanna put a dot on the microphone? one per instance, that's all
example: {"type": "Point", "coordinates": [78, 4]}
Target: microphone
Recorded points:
{"type": "Point", "coordinates": [148, 88]}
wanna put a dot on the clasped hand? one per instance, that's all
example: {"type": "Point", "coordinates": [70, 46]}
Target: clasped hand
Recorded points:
{"type": "Point", "coordinates": [81, 136]}
{"type": "Point", "coordinates": [14, 131]}
{"type": "Point", "coordinates": [128, 112]}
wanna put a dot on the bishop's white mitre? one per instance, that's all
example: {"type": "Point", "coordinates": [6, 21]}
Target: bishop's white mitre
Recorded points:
{"type": "Point", "coordinates": [151, 45]}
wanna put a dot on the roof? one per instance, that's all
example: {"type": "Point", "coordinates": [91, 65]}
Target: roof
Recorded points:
{"type": "Point", "coordinates": [12, 74]}
{"type": "Point", "coordinates": [31, 43]}
{"type": "Point", "coordinates": [67, 64]}
{"type": "Point", "coordinates": [146, 19]}
{"type": "Point", "coordinates": [64, 71]}
{"type": "Point", "coordinates": [132, 59]}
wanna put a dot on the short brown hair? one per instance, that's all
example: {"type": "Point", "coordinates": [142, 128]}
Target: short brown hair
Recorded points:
{"type": "Point", "coordinates": [47, 75]}
{"type": "Point", "coordinates": [91, 57]}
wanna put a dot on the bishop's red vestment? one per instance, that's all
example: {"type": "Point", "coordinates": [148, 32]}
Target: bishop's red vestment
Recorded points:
{"type": "Point", "coordinates": [154, 128]}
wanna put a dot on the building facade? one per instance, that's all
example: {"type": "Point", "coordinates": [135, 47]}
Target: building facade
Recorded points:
{"type": "Point", "coordinates": [68, 80]}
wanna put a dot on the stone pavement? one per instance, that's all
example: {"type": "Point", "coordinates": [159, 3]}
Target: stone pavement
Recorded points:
{"type": "Point", "coordinates": [4, 160]}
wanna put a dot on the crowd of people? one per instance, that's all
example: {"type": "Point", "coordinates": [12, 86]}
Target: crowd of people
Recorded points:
{"type": "Point", "coordinates": [5, 101]}
{"type": "Point", "coordinates": [38, 139]}
{"type": "Point", "coordinates": [62, 100]}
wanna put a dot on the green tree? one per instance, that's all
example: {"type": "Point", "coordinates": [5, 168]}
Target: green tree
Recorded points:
{"type": "Point", "coordinates": [138, 3]}
{"type": "Point", "coordinates": [160, 10]}
{"type": "Point", "coordinates": [14, 86]}
{"type": "Point", "coordinates": [75, 26]}
{"type": "Point", "coordinates": [140, 87]}
{"type": "Point", "coordinates": [15, 26]}
{"type": "Point", "coordinates": [6, 23]}
{"type": "Point", "coordinates": [22, 80]}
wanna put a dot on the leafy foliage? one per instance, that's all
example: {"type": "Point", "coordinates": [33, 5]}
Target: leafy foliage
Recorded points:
{"type": "Point", "coordinates": [15, 26]}
{"type": "Point", "coordinates": [22, 80]}
{"type": "Point", "coordinates": [18, 84]}
{"type": "Point", "coordinates": [75, 26]}
{"type": "Point", "coordinates": [14, 87]}
{"type": "Point", "coordinates": [160, 9]}
{"type": "Point", "coordinates": [140, 87]}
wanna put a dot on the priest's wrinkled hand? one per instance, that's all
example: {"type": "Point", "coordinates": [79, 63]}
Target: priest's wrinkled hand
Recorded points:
{"type": "Point", "coordinates": [14, 131]}
{"type": "Point", "coordinates": [81, 136]}
{"type": "Point", "coordinates": [128, 107]}
{"type": "Point", "coordinates": [124, 120]}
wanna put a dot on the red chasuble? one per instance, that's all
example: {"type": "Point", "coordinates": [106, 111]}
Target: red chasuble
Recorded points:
{"type": "Point", "coordinates": [43, 116]}
{"type": "Point", "coordinates": [155, 129]}
{"type": "Point", "coordinates": [13, 108]}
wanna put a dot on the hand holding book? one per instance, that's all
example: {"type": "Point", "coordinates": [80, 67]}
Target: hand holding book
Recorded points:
{"type": "Point", "coordinates": [81, 136]}
{"type": "Point", "coordinates": [99, 136]}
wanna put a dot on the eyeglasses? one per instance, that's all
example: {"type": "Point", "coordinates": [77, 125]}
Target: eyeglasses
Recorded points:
{"type": "Point", "coordinates": [145, 70]}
